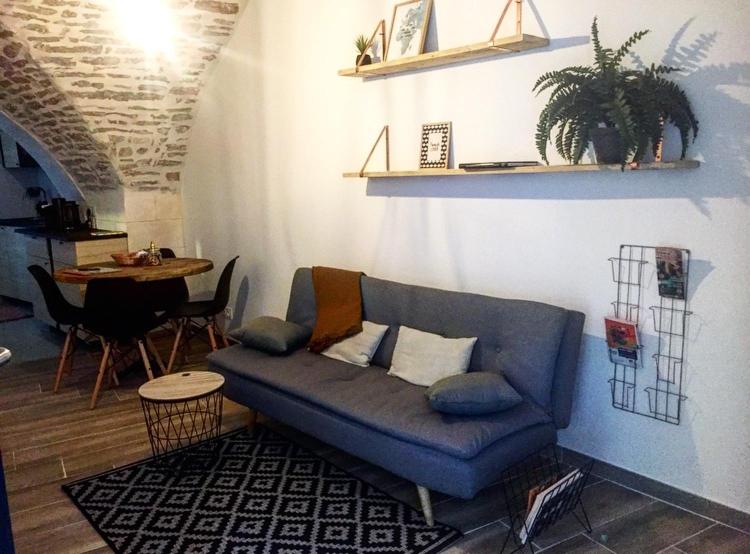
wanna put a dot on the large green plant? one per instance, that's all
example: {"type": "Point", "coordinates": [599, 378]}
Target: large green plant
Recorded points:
{"type": "Point", "coordinates": [635, 102]}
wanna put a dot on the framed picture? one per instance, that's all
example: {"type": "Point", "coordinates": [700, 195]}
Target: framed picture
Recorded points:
{"type": "Point", "coordinates": [408, 29]}
{"type": "Point", "coordinates": [436, 143]}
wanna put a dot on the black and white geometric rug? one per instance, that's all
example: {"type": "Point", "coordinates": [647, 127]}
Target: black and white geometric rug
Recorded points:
{"type": "Point", "coordinates": [259, 494]}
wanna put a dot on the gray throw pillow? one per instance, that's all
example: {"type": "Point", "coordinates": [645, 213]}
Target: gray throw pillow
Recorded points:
{"type": "Point", "coordinates": [474, 393]}
{"type": "Point", "coordinates": [272, 335]}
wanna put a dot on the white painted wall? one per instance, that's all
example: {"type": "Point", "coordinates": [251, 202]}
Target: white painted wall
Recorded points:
{"type": "Point", "coordinates": [13, 184]}
{"type": "Point", "coordinates": [276, 128]}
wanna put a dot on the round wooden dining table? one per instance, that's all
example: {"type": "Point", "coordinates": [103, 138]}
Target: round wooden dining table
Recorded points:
{"type": "Point", "coordinates": [170, 268]}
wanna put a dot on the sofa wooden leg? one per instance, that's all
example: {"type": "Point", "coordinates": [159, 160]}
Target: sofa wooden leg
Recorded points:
{"type": "Point", "coordinates": [424, 500]}
{"type": "Point", "coordinates": [253, 419]}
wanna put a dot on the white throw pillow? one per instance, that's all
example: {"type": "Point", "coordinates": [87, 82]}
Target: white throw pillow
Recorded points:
{"type": "Point", "coordinates": [425, 358]}
{"type": "Point", "coordinates": [360, 348]}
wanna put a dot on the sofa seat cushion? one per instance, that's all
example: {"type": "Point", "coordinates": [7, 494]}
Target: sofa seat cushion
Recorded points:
{"type": "Point", "coordinates": [371, 397]}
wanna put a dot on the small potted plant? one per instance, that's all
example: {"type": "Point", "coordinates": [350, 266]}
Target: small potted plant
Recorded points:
{"type": "Point", "coordinates": [622, 111]}
{"type": "Point", "coordinates": [362, 45]}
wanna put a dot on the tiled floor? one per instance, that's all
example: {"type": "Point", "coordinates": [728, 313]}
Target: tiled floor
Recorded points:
{"type": "Point", "coordinates": [32, 420]}
{"type": "Point", "coordinates": [624, 520]}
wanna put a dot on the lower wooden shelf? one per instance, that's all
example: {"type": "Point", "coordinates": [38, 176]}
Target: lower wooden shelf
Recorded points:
{"type": "Point", "coordinates": [580, 168]}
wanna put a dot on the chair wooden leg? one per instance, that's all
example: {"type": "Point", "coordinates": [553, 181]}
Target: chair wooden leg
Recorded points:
{"type": "Point", "coordinates": [103, 367]}
{"type": "Point", "coordinates": [156, 354]}
{"type": "Point", "coordinates": [188, 336]}
{"type": "Point", "coordinates": [212, 335]}
{"type": "Point", "coordinates": [175, 346]}
{"type": "Point", "coordinates": [72, 351]}
{"type": "Point", "coordinates": [424, 500]}
{"type": "Point", "coordinates": [253, 419]}
{"type": "Point", "coordinates": [64, 355]}
{"type": "Point", "coordinates": [222, 334]}
{"type": "Point", "coordinates": [113, 371]}
{"type": "Point", "coordinates": [146, 361]}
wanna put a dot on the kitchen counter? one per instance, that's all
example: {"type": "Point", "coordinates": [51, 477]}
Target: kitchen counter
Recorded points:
{"type": "Point", "coordinates": [34, 227]}
{"type": "Point", "coordinates": [71, 236]}
{"type": "Point", "coordinates": [21, 222]}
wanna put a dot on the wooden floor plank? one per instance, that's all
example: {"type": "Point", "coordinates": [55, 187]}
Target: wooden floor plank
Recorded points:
{"type": "Point", "coordinates": [50, 516]}
{"type": "Point", "coordinates": [76, 538]}
{"type": "Point", "coordinates": [51, 439]}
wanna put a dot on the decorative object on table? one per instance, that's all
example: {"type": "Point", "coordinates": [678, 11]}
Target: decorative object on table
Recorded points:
{"type": "Point", "coordinates": [622, 341]}
{"type": "Point", "coordinates": [408, 29]}
{"type": "Point", "coordinates": [235, 503]}
{"type": "Point", "coordinates": [538, 493]}
{"type": "Point", "coordinates": [484, 166]}
{"type": "Point", "coordinates": [129, 259]}
{"type": "Point", "coordinates": [182, 409]}
{"type": "Point", "coordinates": [435, 146]}
{"type": "Point", "coordinates": [362, 45]}
{"type": "Point", "coordinates": [670, 272]}
{"type": "Point", "coordinates": [154, 256]}
{"type": "Point", "coordinates": [622, 110]}
{"type": "Point", "coordinates": [670, 316]}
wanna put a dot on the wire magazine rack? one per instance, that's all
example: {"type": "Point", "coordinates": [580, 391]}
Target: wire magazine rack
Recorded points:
{"type": "Point", "coordinates": [670, 318]}
{"type": "Point", "coordinates": [561, 496]}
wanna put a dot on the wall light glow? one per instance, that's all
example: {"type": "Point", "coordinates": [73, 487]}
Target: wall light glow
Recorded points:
{"type": "Point", "coordinates": [147, 24]}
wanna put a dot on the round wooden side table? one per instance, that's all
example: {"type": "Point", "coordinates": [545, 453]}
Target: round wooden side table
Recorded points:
{"type": "Point", "coordinates": [182, 409]}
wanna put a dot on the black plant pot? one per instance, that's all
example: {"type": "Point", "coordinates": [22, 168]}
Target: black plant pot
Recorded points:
{"type": "Point", "coordinates": [366, 59]}
{"type": "Point", "coordinates": [607, 145]}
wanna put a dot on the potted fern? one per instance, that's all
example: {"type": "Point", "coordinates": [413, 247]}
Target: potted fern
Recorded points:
{"type": "Point", "coordinates": [622, 111]}
{"type": "Point", "coordinates": [362, 45]}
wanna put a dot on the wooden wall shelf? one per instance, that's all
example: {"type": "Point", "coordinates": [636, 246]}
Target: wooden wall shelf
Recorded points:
{"type": "Point", "coordinates": [496, 47]}
{"type": "Point", "coordinates": [580, 168]}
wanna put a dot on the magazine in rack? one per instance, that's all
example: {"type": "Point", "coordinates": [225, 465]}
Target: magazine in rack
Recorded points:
{"type": "Point", "coordinates": [550, 495]}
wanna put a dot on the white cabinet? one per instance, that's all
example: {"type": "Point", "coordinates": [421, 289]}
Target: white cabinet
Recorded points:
{"type": "Point", "coordinates": [15, 280]}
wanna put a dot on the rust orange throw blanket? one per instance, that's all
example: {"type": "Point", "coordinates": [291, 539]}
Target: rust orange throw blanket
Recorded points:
{"type": "Point", "coordinates": [338, 299]}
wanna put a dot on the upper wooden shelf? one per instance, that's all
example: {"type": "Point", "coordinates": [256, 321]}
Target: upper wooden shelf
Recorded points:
{"type": "Point", "coordinates": [580, 168]}
{"type": "Point", "coordinates": [498, 47]}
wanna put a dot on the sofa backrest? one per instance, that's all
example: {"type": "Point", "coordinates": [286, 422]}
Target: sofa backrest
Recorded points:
{"type": "Point", "coordinates": [534, 345]}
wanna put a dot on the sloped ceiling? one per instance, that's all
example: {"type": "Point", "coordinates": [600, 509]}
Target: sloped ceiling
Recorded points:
{"type": "Point", "coordinates": [108, 87]}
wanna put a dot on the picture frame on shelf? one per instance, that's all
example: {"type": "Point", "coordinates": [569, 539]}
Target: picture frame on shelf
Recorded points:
{"type": "Point", "coordinates": [408, 29]}
{"type": "Point", "coordinates": [435, 145]}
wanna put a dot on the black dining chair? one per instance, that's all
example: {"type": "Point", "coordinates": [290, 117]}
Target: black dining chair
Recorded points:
{"type": "Point", "coordinates": [64, 313]}
{"type": "Point", "coordinates": [116, 311]}
{"type": "Point", "coordinates": [207, 310]}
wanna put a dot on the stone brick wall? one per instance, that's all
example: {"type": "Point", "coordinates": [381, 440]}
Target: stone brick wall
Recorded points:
{"type": "Point", "coordinates": [116, 118]}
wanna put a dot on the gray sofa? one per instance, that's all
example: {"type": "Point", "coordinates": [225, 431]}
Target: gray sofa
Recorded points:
{"type": "Point", "coordinates": [388, 421]}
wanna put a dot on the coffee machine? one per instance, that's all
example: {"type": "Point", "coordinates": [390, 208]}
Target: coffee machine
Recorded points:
{"type": "Point", "coordinates": [61, 215]}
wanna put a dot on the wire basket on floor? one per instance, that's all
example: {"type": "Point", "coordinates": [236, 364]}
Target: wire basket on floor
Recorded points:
{"type": "Point", "coordinates": [538, 493]}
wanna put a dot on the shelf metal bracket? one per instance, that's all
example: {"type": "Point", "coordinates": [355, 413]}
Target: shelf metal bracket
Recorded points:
{"type": "Point", "coordinates": [381, 28]}
{"type": "Point", "coordinates": [384, 131]}
{"type": "Point", "coordinates": [519, 18]}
